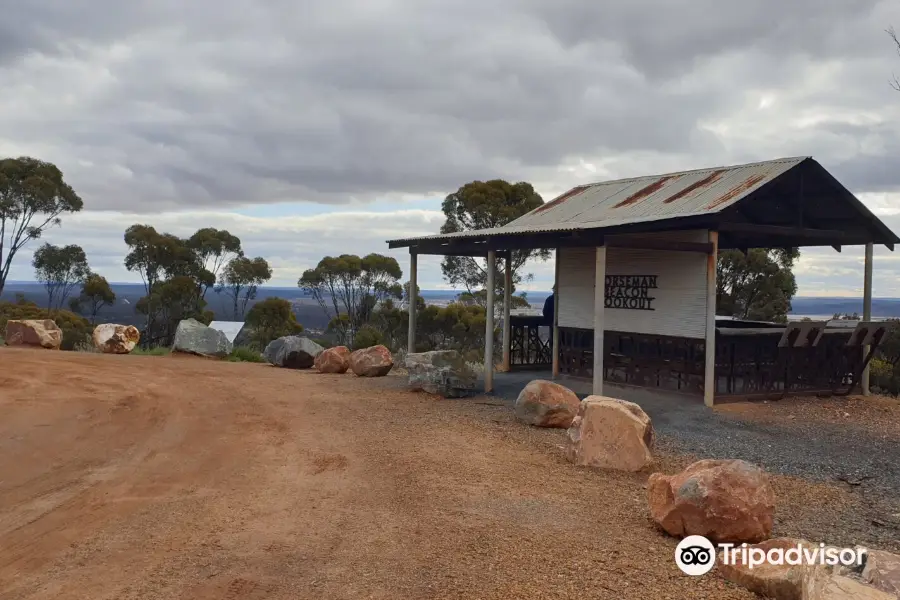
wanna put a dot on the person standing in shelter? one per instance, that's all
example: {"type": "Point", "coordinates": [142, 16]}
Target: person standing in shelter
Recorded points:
{"type": "Point", "coordinates": [549, 306]}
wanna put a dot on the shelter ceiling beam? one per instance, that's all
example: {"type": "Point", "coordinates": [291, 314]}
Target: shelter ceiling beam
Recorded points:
{"type": "Point", "coordinates": [667, 245]}
{"type": "Point", "coordinates": [778, 230]}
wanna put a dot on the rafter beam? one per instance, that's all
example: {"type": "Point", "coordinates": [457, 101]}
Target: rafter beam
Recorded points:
{"type": "Point", "coordinates": [667, 245]}
{"type": "Point", "coordinates": [777, 230]}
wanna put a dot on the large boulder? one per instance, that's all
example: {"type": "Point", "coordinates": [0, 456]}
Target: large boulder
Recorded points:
{"type": "Point", "coordinates": [110, 338]}
{"type": "Point", "coordinates": [546, 404]}
{"type": "Point", "coordinates": [784, 581]}
{"type": "Point", "coordinates": [722, 500]}
{"type": "Point", "coordinates": [441, 372]}
{"type": "Point", "coordinates": [873, 576]}
{"type": "Point", "coordinates": [375, 361]}
{"type": "Point", "coordinates": [292, 352]}
{"type": "Point", "coordinates": [882, 571]}
{"type": "Point", "coordinates": [610, 433]}
{"type": "Point", "coordinates": [824, 582]}
{"type": "Point", "coordinates": [333, 360]}
{"type": "Point", "coordinates": [193, 337]}
{"type": "Point", "coordinates": [43, 333]}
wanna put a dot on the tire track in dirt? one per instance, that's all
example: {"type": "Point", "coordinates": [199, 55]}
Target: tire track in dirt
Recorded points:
{"type": "Point", "coordinates": [199, 479]}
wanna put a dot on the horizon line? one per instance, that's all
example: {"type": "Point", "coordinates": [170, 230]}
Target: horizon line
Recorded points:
{"type": "Point", "coordinates": [451, 290]}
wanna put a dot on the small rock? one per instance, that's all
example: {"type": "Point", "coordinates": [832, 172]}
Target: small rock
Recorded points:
{"type": "Point", "coordinates": [193, 337]}
{"type": "Point", "coordinates": [333, 360]}
{"type": "Point", "coordinates": [292, 352]}
{"type": "Point", "coordinates": [546, 404]}
{"type": "Point", "coordinates": [610, 433]}
{"type": "Point", "coordinates": [722, 500]}
{"type": "Point", "coordinates": [43, 333]}
{"type": "Point", "coordinates": [375, 361]}
{"type": "Point", "coordinates": [110, 338]}
{"type": "Point", "coordinates": [441, 372]}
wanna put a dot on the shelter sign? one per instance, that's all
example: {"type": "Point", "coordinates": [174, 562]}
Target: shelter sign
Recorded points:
{"type": "Point", "coordinates": [630, 292]}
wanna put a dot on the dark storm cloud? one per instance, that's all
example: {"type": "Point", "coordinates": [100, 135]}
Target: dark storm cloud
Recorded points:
{"type": "Point", "coordinates": [664, 39]}
{"type": "Point", "coordinates": [164, 104]}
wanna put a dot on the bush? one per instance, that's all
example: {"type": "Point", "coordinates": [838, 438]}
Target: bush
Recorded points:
{"type": "Point", "coordinates": [245, 354]}
{"type": "Point", "coordinates": [155, 351]}
{"type": "Point", "coordinates": [271, 319]}
{"type": "Point", "coordinates": [366, 337]}
{"type": "Point", "coordinates": [324, 342]}
{"type": "Point", "coordinates": [76, 329]}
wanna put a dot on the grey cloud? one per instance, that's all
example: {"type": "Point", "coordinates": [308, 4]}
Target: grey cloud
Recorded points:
{"type": "Point", "coordinates": [664, 39]}
{"type": "Point", "coordinates": [290, 244]}
{"type": "Point", "coordinates": [163, 105]}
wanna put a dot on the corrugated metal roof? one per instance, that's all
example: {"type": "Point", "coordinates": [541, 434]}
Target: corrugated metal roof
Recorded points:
{"type": "Point", "coordinates": [641, 199]}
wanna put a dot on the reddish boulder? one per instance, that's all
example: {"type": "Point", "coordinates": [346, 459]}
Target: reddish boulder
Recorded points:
{"type": "Point", "coordinates": [825, 582]}
{"type": "Point", "coordinates": [375, 361]}
{"type": "Point", "coordinates": [609, 433]}
{"type": "Point", "coordinates": [722, 500]}
{"type": "Point", "coordinates": [40, 333]}
{"type": "Point", "coordinates": [333, 360]}
{"type": "Point", "coordinates": [546, 404]}
{"type": "Point", "coordinates": [882, 571]}
{"type": "Point", "coordinates": [784, 581]}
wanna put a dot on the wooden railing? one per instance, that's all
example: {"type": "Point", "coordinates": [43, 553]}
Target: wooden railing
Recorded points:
{"type": "Point", "coordinates": [657, 361]}
{"type": "Point", "coordinates": [530, 344]}
{"type": "Point", "coordinates": [763, 361]}
{"type": "Point", "coordinates": [779, 362]}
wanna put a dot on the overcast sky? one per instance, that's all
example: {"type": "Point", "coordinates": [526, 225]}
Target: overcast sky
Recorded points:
{"type": "Point", "coordinates": [317, 127]}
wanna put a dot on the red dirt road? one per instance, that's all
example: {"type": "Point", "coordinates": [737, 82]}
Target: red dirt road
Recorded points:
{"type": "Point", "coordinates": [160, 477]}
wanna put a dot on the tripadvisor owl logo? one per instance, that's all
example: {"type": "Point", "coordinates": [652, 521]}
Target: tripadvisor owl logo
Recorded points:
{"type": "Point", "coordinates": [695, 555]}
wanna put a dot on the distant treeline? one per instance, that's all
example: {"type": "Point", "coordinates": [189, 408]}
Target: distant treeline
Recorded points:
{"type": "Point", "coordinates": [307, 310]}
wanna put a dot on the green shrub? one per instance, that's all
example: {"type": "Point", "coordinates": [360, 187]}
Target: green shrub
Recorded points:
{"type": "Point", "coordinates": [76, 329]}
{"type": "Point", "coordinates": [155, 351]}
{"type": "Point", "coordinates": [245, 354]}
{"type": "Point", "coordinates": [366, 337]}
{"type": "Point", "coordinates": [324, 342]}
{"type": "Point", "coordinates": [271, 319]}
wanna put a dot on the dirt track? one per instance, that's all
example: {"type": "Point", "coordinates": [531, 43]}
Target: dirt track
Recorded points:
{"type": "Point", "coordinates": [163, 477]}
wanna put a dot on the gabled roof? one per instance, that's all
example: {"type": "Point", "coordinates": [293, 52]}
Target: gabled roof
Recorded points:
{"type": "Point", "coordinates": [700, 197]}
{"type": "Point", "coordinates": [654, 197]}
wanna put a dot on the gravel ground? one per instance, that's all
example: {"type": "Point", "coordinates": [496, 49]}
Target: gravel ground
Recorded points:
{"type": "Point", "coordinates": [853, 462]}
{"type": "Point", "coordinates": [138, 477]}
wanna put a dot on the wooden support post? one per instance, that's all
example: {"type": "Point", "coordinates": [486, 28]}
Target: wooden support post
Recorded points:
{"type": "Point", "coordinates": [507, 300]}
{"type": "Point", "coordinates": [599, 322]}
{"type": "Point", "coordinates": [555, 333]}
{"type": "Point", "coordinates": [413, 299]}
{"type": "Point", "coordinates": [709, 377]}
{"type": "Point", "coordinates": [867, 309]}
{"type": "Point", "coordinates": [489, 323]}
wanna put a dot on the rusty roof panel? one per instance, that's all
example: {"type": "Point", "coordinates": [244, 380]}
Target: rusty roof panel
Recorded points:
{"type": "Point", "coordinates": [736, 190]}
{"type": "Point", "coordinates": [642, 199]}
{"type": "Point", "coordinates": [561, 198]}
{"type": "Point", "coordinates": [646, 191]}
{"type": "Point", "coordinates": [709, 179]}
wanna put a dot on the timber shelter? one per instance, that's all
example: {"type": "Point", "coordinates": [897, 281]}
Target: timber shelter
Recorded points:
{"type": "Point", "coordinates": [653, 242]}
